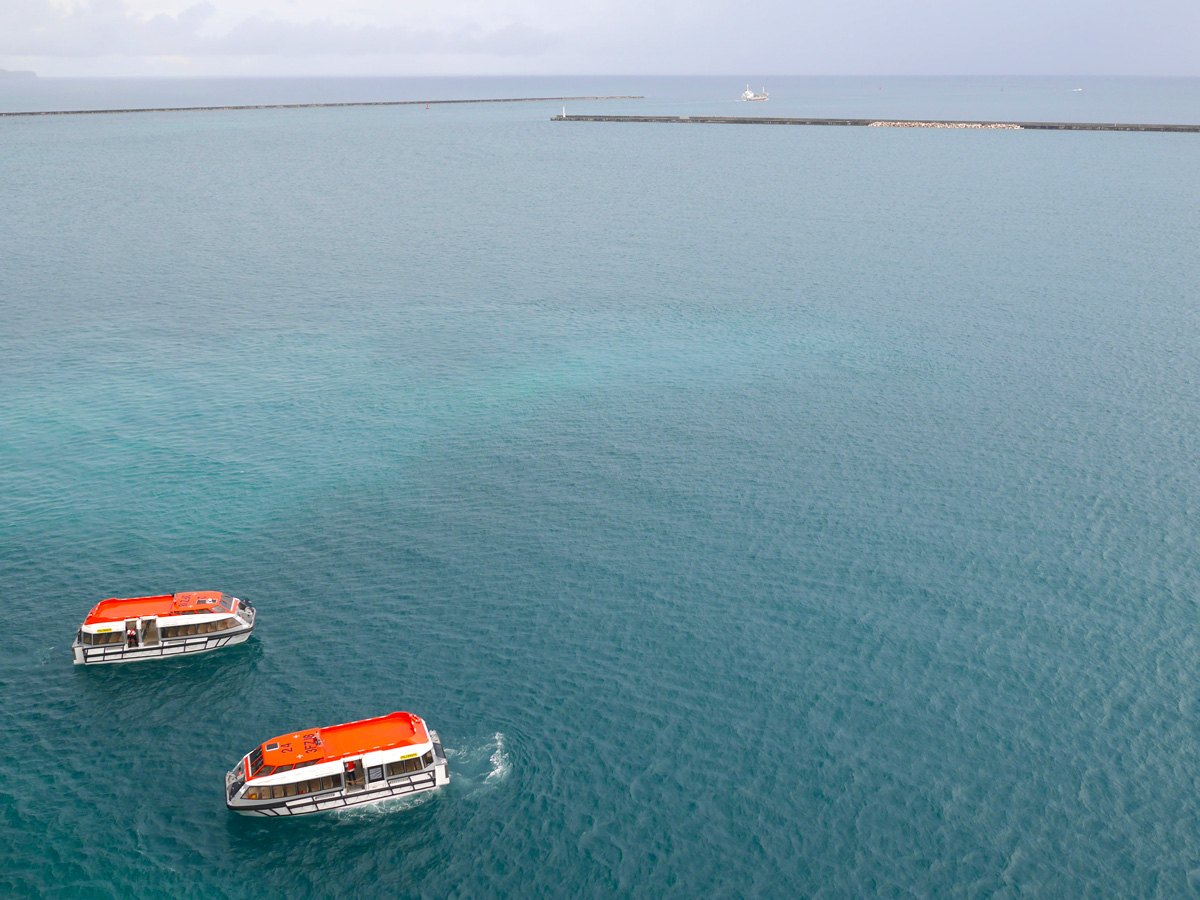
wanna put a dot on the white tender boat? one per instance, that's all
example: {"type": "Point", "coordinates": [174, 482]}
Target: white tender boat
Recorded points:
{"type": "Point", "coordinates": [342, 765]}
{"type": "Point", "coordinates": [138, 628]}
{"type": "Point", "coordinates": [750, 95]}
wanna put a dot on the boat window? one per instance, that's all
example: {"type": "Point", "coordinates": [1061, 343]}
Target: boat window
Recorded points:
{"type": "Point", "coordinates": [427, 759]}
{"type": "Point", "coordinates": [295, 789]}
{"type": "Point", "coordinates": [259, 770]}
{"type": "Point", "coordinates": [174, 631]}
{"type": "Point", "coordinates": [375, 773]}
{"type": "Point", "coordinates": [403, 766]}
{"type": "Point", "coordinates": [316, 785]}
{"type": "Point", "coordinates": [226, 603]}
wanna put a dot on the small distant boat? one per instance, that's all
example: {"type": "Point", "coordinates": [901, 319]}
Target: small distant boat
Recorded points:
{"type": "Point", "coordinates": [750, 95]}
{"type": "Point", "coordinates": [338, 766]}
{"type": "Point", "coordinates": [118, 631]}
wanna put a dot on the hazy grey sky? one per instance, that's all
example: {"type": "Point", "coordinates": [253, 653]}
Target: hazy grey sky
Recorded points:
{"type": "Point", "coordinates": [443, 37]}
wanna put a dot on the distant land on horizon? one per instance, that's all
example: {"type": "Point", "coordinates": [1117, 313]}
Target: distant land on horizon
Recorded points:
{"type": "Point", "coordinates": [5, 73]}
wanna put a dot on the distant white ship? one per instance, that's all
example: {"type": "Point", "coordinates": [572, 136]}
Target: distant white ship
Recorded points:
{"type": "Point", "coordinates": [750, 95]}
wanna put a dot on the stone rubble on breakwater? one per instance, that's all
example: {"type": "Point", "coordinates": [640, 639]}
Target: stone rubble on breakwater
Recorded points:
{"type": "Point", "coordinates": [1005, 125]}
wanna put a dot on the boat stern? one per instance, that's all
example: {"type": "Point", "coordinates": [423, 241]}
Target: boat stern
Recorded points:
{"type": "Point", "coordinates": [235, 778]}
{"type": "Point", "coordinates": [77, 655]}
{"type": "Point", "coordinates": [245, 610]}
{"type": "Point", "coordinates": [441, 766]}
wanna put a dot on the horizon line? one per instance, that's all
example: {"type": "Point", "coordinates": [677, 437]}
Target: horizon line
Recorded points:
{"type": "Point", "coordinates": [177, 77]}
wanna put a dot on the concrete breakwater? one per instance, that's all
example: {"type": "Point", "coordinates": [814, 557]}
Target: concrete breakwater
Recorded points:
{"type": "Point", "coordinates": [162, 109]}
{"type": "Point", "coordinates": [882, 123]}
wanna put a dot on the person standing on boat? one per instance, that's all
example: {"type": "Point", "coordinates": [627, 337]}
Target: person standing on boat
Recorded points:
{"type": "Point", "coordinates": [131, 636]}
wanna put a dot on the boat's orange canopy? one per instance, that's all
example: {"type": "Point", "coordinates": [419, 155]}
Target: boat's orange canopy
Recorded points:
{"type": "Point", "coordinates": [400, 729]}
{"type": "Point", "coordinates": [116, 610]}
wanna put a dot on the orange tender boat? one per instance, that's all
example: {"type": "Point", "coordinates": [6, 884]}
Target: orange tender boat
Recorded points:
{"type": "Point", "coordinates": [338, 766]}
{"type": "Point", "coordinates": [139, 628]}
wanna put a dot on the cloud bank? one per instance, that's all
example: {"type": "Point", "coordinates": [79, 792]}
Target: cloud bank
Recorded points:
{"type": "Point", "coordinates": [446, 37]}
{"type": "Point", "coordinates": [108, 28]}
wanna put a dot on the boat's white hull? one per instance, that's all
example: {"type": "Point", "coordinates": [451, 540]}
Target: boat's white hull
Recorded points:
{"type": "Point", "coordinates": [120, 653]}
{"type": "Point", "coordinates": [405, 786]}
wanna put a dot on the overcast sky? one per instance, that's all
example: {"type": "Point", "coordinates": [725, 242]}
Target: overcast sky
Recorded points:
{"type": "Point", "coordinates": [473, 37]}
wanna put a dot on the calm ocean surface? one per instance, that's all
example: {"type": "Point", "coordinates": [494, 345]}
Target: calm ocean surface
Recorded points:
{"type": "Point", "coordinates": [755, 512]}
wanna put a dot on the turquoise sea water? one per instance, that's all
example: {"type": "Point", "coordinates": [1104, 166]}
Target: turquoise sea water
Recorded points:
{"type": "Point", "coordinates": [758, 513]}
